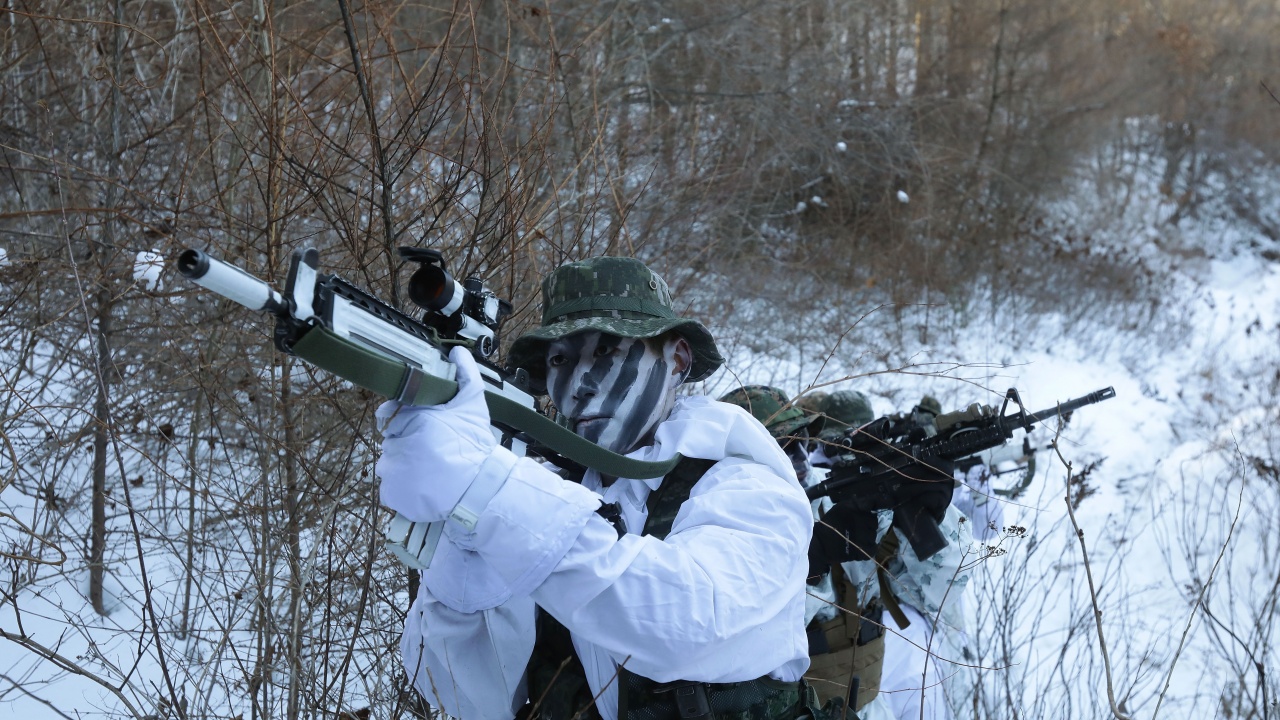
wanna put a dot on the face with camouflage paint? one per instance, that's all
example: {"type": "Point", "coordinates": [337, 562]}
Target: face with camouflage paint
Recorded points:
{"type": "Point", "coordinates": [614, 391]}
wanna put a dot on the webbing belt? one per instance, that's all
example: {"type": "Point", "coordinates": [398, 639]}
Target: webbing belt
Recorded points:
{"type": "Point", "coordinates": [640, 698]}
{"type": "Point", "coordinates": [387, 377]}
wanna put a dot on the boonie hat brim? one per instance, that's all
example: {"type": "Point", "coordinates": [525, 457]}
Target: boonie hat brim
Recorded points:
{"type": "Point", "coordinates": [529, 351]}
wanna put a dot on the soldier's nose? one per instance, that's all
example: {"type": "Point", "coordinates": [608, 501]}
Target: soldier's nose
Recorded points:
{"type": "Point", "coordinates": [586, 390]}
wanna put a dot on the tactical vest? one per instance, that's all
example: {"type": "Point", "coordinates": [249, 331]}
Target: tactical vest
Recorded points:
{"type": "Point", "coordinates": [557, 683]}
{"type": "Point", "coordinates": [852, 659]}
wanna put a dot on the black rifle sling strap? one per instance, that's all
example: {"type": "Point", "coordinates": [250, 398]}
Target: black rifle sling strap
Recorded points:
{"type": "Point", "coordinates": [557, 682]}
{"type": "Point", "coordinates": [390, 378]}
{"type": "Point", "coordinates": [640, 698]}
{"type": "Point", "coordinates": [664, 503]}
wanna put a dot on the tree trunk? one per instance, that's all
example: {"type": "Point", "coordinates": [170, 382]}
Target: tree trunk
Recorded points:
{"type": "Point", "coordinates": [956, 64]}
{"type": "Point", "coordinates": [891, 54]}
{"type": "Point", "coordinates": [293, 524]}
{"type": "Point", "coordinates": [101, 431]}
{"type": "Point", "coordinates": [193, 478]}
{"type": "Point", "coordinates": [863, 67]}
{"type": "Point", "coordinates": [104, 256]}
{"type": "Point", "coordinates": [925, 59]}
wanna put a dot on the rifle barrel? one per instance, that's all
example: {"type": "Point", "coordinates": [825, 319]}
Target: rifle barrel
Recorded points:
{"type": "Point", "coordinates": [229, 281]}
{"type": "Point", "coordinates": [1063, 408]}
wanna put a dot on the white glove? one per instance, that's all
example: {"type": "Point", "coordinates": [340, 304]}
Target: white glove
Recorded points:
{"type": "Point", "coordinates": [431, 455]}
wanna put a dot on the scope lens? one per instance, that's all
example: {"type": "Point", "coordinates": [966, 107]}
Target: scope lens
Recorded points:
{"type": "Point", "coordinates": [431, 288]}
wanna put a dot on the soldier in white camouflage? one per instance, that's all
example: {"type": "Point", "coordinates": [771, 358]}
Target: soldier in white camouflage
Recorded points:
{"type": "Point", "coordinates": [973, 495]}
{"type": "Point", "coordinates": [787, 422]}
{"type": "Point", "coordinates": [842, 411]}
{"type": "Point", "coordinates": [672, 598]}
{"type": "Point", "coordinates": [917, 603]}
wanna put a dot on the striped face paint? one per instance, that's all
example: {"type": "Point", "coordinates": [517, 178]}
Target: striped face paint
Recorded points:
{"type": "Point", "coordinates": [613, 390]}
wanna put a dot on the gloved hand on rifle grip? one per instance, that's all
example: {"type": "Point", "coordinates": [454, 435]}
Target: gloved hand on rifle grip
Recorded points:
{"type": "Point", "coordinates": [431, 455]}
{"type": "Point", "coordinates": [934, 491]}
{"type": "Point", "coordinates": [935, 498]}
{"type": "Point", "coordinates": [841, 534]}
{"type": "Point", "coordinates": [975, 411]}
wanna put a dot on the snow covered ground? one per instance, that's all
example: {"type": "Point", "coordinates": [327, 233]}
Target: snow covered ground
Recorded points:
{"type": "Point", "coordinates": [1181, 512]}
{"type": "Point", "coordinates": [1179, 507]}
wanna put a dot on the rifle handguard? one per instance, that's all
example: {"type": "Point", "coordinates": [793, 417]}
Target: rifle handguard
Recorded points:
{"type": "Point", "coordinates": [387, 377]}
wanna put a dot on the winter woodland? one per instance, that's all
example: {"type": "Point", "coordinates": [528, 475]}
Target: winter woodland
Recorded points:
{"type": "Point", "coordinates": [897, 196]}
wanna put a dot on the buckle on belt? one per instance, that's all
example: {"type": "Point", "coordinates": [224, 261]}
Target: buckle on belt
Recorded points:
{"type": "Point", "coordinates": [691, 699]}
{"type": "Point", "coordinates": [409, 385]}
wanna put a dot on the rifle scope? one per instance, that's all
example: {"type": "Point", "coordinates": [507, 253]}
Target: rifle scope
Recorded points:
{"type": "Point", "coordinates": [431, 287]}
{"type": "Point", "coordinates": [464, 310]}
{"type": "Point", "coordinates": [230, 281]}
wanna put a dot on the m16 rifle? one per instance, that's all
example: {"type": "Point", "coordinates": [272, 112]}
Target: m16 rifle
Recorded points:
{"type": "Point", "coordinates": [895, 464]}
{"type": "Point", "coordinates": [338, 327]}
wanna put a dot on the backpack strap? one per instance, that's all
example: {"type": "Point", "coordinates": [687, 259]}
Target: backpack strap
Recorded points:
{"type": "Point", "coordinates": [664, 503]}
{"type": "Point", "coordinates": [851, 667]}
{"type": "Point", "coordinates": [557, 683]}
{"type": "Point", "coordinates": [885, 552]}
{"type": "Point", "coordinates": [640, 698]}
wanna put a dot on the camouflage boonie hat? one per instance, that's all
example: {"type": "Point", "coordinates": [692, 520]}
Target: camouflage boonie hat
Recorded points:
{"type": "Point", "coordinates": [615, 295]}
{"type": "Point", "coordinates": [845, 409]}
{"type": "Point", "coordinates": [774, 410]}
{"type": "Point", "coordinates": [930, 404]}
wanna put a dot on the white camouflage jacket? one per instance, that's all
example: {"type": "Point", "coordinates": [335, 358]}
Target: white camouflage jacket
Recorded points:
{"type": "Point", "coordinates": [721, 599]}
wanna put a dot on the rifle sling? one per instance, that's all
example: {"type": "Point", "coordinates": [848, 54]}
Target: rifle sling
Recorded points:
{"type": "Point", "coordinates": [386, 376]}
{"type": "Point", "coordinates": [885, 552]}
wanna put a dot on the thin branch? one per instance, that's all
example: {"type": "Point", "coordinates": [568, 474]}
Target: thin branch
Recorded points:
{"type": "Point", "coordinates": [1093, 592]}
{"type": "Point", "coordinates": [379, 154]}
{"type": "Point", "coordinates": [69, 665]}
{"type": "Point", "coordinates": [1168, 678]}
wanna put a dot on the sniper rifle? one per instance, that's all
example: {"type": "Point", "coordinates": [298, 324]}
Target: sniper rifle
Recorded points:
{"type": "Point", "coordinates": [338, 327]}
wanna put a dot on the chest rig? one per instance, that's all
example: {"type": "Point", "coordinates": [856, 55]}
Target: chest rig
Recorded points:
{"type": "Point", "coordinates": [846, 654]}
{"type": "Point", "coordinates": [557, 683]}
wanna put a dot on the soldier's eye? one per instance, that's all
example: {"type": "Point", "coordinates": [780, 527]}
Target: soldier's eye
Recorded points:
{"type": "Point", "coordinates": [557, 360]}
{"type": "Point", "coordinates": [602, 349]}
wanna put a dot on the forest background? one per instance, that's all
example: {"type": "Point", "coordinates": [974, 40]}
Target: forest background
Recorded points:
{"type": "Point", "coordinates": [189, 524]}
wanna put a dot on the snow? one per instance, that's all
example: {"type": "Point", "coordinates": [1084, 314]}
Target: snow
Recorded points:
{"type": "Point", "coordinates": [903, 197]}
{"type": "Point", "coordinates": [1173, 488]}
{"type": "Point", "coordinates": [1195, 407]}
{"type": "Point", "coordinates": [842, 146]}
{"type": "Point", "coordinates": [147, 267]}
